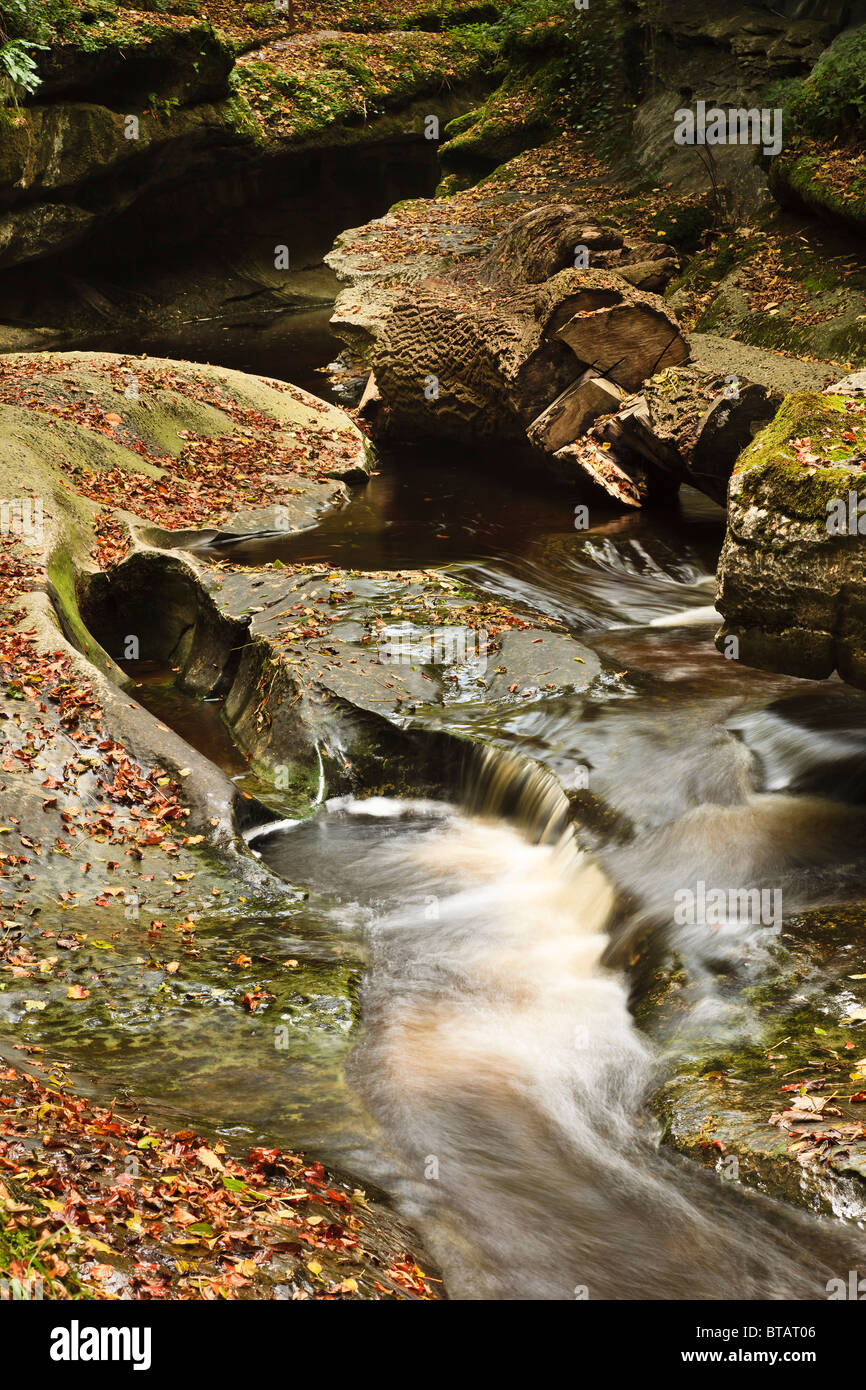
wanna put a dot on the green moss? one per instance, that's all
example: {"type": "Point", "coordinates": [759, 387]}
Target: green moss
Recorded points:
{"type": "Point", "coordinates": [264, 16]}
{"type": "Point", "coordinates": [682, 224]}
{"type": "Point", "coordinates": [460, 124]}
{"type": "Point", "coordinates": [449, 14]}
{"type": "Point", "coordinates": [773, 476]}
{"type": "Point", "coordinates": [352, 88]}
{"type": "Point", "coordinates": [28, 1247]}
{"type": "Point", "coordinates": [707, 268]}
{"type": "Point", "coordinates": [830, 103]}
{"type": "Point", "coordinates": [240, 118]}
{"type": "Point", "coordinates": [805, 176]}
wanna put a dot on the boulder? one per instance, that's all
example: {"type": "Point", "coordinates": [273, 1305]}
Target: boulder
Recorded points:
{"type": "Point", "coordinates": [792, 574]}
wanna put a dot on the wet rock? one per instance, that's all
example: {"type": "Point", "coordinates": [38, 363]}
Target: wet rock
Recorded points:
{"type": "Point", "coordinates": [791, 574]}
{"type": "Point", "coordinates": [773, 1104]}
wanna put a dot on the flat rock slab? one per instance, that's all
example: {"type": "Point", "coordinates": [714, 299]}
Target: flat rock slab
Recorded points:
{"type": "Point", "coordinates": [852, 385]}
{"type": "Point", "coordinates": [390, 645]}
{"type": "Point", "coordinates": [770, 369]}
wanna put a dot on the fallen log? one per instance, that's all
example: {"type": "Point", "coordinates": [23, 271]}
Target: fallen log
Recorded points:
{"type": "Point", "coordinates": [371, 399]}
{"type": "Point", "coordinates": [708, 419]}
{"type": "Point", "coordinates": [630, 432]}
{"type": "Point", "coordinates": [630, 485]}
{"type": "Point", "coordinates": [653, 275]}
{"type": "Point", "coordinates": [482, 353]}
{"type": "Point", "coordinates": [629, 342]}
{"type": "Point", "coordinates": [572, 413]}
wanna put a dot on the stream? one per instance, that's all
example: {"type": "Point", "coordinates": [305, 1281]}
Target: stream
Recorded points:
{"type": "Point", "coordinates": [492, 1080]}
{"type": "Point", "coordinates": [459, 1031]}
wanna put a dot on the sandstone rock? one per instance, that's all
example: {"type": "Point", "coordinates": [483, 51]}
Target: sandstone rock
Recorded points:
{"type": "Point", "coordinates": [791, 588]}
{"type": "Point", "coordinates": [852, 385]}
{"type": "Point", "coordinates": [178, 63]}
{"type": "Point", "coordinates": [54, 157]}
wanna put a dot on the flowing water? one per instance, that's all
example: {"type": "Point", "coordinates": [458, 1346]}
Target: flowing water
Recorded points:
{"type": "Point", "coordinates": [507, 1078]}
{"type": "Point", "coordinates": [492, 1078]}
{"type": "Point", "coordinates": [498, 1057]}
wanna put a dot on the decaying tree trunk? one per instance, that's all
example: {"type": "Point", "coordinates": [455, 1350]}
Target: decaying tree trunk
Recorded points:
{"type": "Point", "coordinates": [480, 355]}
{"type": "Point", "coordinates": [572, 413]}
{"type": "Point", "coordinates": [628, 341]}
{"type": "Point", "coordinates": [709, 419]}
{"type": "Point", "coordinates": [687, 426]}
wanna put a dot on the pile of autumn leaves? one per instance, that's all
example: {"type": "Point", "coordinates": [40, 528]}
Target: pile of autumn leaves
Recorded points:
{"type": "Point", "coordinates": [104, 1206]}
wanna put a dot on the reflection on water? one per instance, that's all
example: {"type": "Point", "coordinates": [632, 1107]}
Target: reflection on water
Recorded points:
{"type": "Point", "coordinates": [512, 536]}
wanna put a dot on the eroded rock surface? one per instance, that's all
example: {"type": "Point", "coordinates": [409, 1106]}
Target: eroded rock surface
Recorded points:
{"type": "Point", "coordinates": [791, 575]}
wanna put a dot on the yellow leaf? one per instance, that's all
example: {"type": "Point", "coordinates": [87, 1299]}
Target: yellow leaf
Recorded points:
{"type": "Point", "coordinates": [210, 1160]}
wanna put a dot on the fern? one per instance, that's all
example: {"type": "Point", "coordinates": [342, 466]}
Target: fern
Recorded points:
{"type": "Point", "coordinates": [18, 72]}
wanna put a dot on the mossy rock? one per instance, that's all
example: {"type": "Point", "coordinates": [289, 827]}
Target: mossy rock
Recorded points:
{"type": "Point", "coordinates": [460, 124]}
{"type": "Point", "coordinates": [772, 473]}
{"type": "Point", "coordinates": [797, 180]}
{"type": "Point", "coordinates": [449, 14]}
{"type": "Point", "coordinates": [129, 66]}
{"type": "Point", "coordinates": [830, 103]}
{"type": "Point", "coordinates": [791, 576]}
